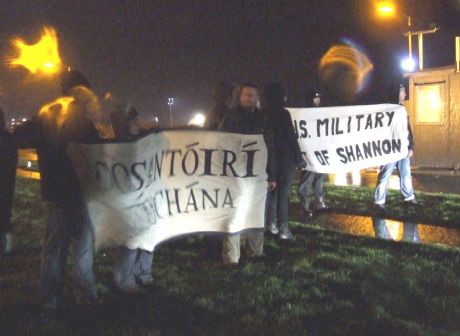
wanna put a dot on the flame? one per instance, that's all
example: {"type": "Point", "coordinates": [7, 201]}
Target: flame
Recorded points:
{"type": "Point", "coordinates": [41, 57]}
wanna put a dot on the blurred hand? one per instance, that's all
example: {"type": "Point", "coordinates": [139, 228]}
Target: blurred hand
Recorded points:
{"type": "Point", "coordinates": [410, 154]}
{"type": "Point", "coordinates": [301, 165]}
{"type": "Point", "coordinates": [271, 186]}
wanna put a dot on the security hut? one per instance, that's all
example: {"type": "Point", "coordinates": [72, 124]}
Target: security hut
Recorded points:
{"type": "Point", "coordinates": [434, 111]}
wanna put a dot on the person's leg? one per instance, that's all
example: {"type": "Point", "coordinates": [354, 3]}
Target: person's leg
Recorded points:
{"type": "Point", "coordinates": [231, 249]}
{"type": "Point", "coordinates": [380, 228]}
{"type": "Point", "coordinates": [7, 184]}
{"type": "Point", "coordinates": [319, 190]}
{"type": "Point", "coordinates": [382, 183]}
{"type": "Point", "coordinates": [6, 237]}
{"type": "Point", "coordinates": [83, 257]}
{"type": "Point", "coordinates": [405, 179]}
{"type": "Point", "coordinates": [305, 189]}
{"type": "Point", "coordinates": [254, 243]}
{"type": "Point", "coordinates": [286, 178]}
{"type": "Point", "coordinates": [56, 244]}
{"type": "Point", "coordinates": [124, 271]}
{"type": "Point", "coordinates": [410, 232]}
{"type": "Point", "coordinates": [144, 267]}
{"type": "Point", "coordinates": [271, 211]}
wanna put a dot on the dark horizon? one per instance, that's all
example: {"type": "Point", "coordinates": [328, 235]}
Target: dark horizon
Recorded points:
{"type": "Point", "coordinates": [146, 51]}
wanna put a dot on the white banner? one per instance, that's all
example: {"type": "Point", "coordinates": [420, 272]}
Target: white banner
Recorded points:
{"type": "Point", "coordinates": [172, 183]}
{"type": "Point", "coordinates": [348, 138]}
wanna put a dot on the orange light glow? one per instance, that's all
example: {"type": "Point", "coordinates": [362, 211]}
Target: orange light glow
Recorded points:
{"type": "Point", "coordinates": [56, 112]}
{"type": "Point", "coordinates": [41, 57]}
{"type": "Point", "coordinates": [386, 8]}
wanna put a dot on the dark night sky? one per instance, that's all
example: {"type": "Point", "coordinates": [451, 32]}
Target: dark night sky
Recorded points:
{"type": "Point", "coordinates": [146, 51]}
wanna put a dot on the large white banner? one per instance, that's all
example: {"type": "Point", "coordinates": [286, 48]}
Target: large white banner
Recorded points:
{"type": "Point", "coordinates": [172, 183]}
{"type": "Point", "coordinates": [347, 138]}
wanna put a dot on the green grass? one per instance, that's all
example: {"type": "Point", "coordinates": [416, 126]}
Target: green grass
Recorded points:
{"type": "Point", "coordinates": [324, 283]}
{"type": "Point", "coordinates": [434, 208]}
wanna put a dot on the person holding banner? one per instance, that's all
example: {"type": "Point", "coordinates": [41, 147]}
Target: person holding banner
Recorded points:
{"type": "Point", "coordinates": [312, 182]}
{"type": "Point", "coordinates": [8, 163]}
{"type": "Point", "coordinates": [404, 170]}
{"type": "Point", "coordinates": [288, 158]}
{"type": "Point", "coordinates": [56, 125]}
{"type": "Point", "coordinates": [222, 94]}
{"type": "Point", "coordinates": [134, 267]}
{"type": "Point", "coordinates": [248, 119]}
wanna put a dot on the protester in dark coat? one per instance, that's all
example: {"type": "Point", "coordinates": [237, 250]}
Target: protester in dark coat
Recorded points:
{"type": "Point", "coordinates": [288, 158]}
{"type": "Point", "coordinates": [8, 163]}
{"type": "Point", "coordinates": [247, 119]}
{"type": "Point", "coordinates": [222, 95]}
{"type": "Point", "coordinates": [68, 222]}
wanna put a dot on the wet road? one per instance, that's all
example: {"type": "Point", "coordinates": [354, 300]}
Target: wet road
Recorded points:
{"type": "Point", "coordinates": [428, 181]}
{"type": "Point", "coordinates": [388, 229]}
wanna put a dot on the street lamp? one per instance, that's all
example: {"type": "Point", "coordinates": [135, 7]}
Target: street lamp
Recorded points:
{"type": "Point", "coordinates": [198, 120]}
{"type": "Point", "coordinates": [408, 64]}
{"type": "Point", "coordinates": [170, 104]}
{"type": "Point", "coordinates": [388, 9]}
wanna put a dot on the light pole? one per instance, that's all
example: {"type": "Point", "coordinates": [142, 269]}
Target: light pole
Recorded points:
{"type": "Point", "coordinates": [388, 9]}
{"type": "Point", "coordinates": [170, 104]}
{"type": "Point", "coordinates": [420, 34]}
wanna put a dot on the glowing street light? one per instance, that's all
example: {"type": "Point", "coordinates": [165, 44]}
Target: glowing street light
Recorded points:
{"type": "Point", "coordinates": [408, 64]}
{"type": "Point", "coordinates": [170, 104]}
{"type": "Point", "coordinates": [386, 8]}
{"type": "Point", "coordinates": [197, 120]}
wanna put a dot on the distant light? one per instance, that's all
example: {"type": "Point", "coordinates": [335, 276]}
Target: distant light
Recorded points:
{"type": "Point", "coordinates": [170, 101]}
{"type": "Point", "coordinates": [408, 64]}
{"type": "Point", "coordinates": [197, 120]}
{"type": "Point", "coordinates": [24, 119]}
{"type": "Point", "coordinates": [29, 164]}
{"type": "Point", "coordinates": [386, 8]}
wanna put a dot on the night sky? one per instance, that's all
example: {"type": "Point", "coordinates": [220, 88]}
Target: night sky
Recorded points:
{"type": "Point", "coordinates": [147, 51]}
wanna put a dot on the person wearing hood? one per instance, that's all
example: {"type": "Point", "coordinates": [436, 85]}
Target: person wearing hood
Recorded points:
{"type": "Point", "coordinates": [134, 266]}
{"type": "Point", "coordinates": [222, 94]}
{"type": "Point", "coordinates": [68, 224]}
{"type": "Point", "coordinates": [288, 158]}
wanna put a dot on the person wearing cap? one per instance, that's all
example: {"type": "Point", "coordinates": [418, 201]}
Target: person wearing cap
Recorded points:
{"type": "Point", "coordinates": [312, 182]}
{"type": "Point", "coordinates": [8, 163]}
{"type": "Point", "coordinates": [68, 222]}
